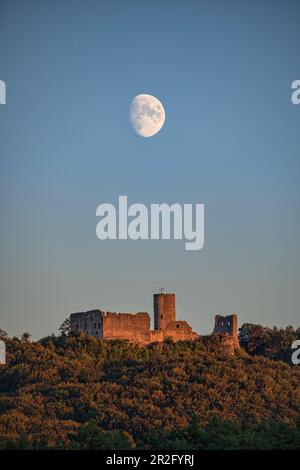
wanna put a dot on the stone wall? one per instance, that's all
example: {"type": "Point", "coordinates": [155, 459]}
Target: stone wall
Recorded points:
{"type": "Point", "coordinates": [227, 327]}
{"type": "Point", "coordinates": [136, 327]}
{"type": "Point", "coordinates": [88, 322]}
{"type": "Point", "coordinates": [132, 327]}
{"type": "Point", "coordinates": [179, 331]}
{"type": "Point", "coordinates": [156, 336]}
{"type": "Point", "coordinates": [228, 345]}
{"type": "Point", "coordinates": [176, 330]}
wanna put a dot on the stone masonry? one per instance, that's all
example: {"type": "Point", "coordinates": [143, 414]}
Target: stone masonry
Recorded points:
{"type": "Point", "coordinates": [136, 327]}
{"type": "Point", "coordinates": [227, 328]}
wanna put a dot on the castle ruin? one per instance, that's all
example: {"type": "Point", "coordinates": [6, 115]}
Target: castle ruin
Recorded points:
{"type": "Point", "coordinates": [227, 328]}
{"type": "Point", "coordinates": [135, 327]}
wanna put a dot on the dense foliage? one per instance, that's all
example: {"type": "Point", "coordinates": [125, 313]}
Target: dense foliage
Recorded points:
{"type": "Point", "coordinates": [274, 343]}
{"type": "Point", "coordinates": [77, 392]}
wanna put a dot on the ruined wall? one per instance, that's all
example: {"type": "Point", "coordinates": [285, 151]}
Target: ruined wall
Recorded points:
{"type": "Point", "coordinates": [176, 330]}
{"type": "Point", "coordinates": [228, 345]}
{"type": "Point", "coordinates": [179, 331]}
{"type": "Point", "coordinates": [88, 322]}
{"type": "Point", "coordinates": [156, 336]}
{"type": "Point", "coordinates": [164, 310]}
{"type": "Point", "coordinates": [228, 328]}
{"type": "Point", "coordinates": [136, 327]}
{"type": "Point", "coordinates": [132, 327]}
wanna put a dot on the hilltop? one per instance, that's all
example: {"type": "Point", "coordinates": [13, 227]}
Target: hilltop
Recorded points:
{"type": "Point", "coordinates": [76, 391]}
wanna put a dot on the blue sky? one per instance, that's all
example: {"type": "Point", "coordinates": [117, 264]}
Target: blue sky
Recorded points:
{"type": "Point", "coordinates": [231, 141]}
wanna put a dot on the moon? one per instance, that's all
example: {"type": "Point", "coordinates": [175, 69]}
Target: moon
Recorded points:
{"type": "Point", "coordinates": [147, 115]}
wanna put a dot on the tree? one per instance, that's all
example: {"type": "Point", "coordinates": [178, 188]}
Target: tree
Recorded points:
{"type": "Point", "coordinates": [274, 343]}
{"type": "Point", "coordinates": [65, 327]}
{"type": "Point", "coordinates": [91, 437]}
{"type": "Point", "coordinates": [79, 392]}
{"type": "Point", "coordinates": [26, 337]}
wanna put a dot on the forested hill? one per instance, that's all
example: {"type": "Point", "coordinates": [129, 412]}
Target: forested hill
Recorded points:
{"type": "Point", "coordinates": [74, 391]}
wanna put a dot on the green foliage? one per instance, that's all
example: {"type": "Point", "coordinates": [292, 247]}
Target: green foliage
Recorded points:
{"type": "Point", "coordinates": [78, 392]}
{"type": "Point", "coordinates": [65, 327]}
{"type": "Point", "coordinates": [26, 337]}
{"type": "Point", "coordinates": [273, 343]}
{"type": "Point", "coordinates": [92, 437]}
{"type": "Point", "coordinates": [229, 435]}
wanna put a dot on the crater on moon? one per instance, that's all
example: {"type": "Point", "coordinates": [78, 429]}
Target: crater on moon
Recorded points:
{"type": "Point", "coordinates": [147, 115]}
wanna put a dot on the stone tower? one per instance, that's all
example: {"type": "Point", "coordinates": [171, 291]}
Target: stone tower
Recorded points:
{"type": "Point", "coordinates": [164, 310]}
{"type": "Point", "coordinates": [228, 326]}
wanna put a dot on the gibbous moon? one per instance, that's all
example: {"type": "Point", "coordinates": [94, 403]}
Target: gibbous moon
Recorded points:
{"type": "Point", "coordinates": [147, 115]}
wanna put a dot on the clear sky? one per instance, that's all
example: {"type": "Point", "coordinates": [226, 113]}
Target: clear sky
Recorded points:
{"type": "Point", "coordinates": [223, 71]}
